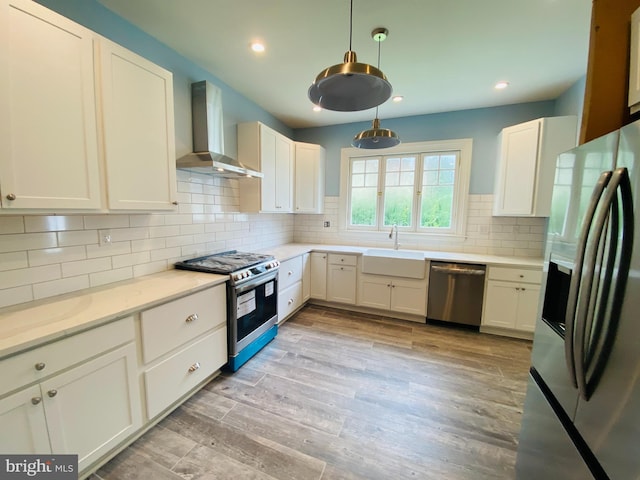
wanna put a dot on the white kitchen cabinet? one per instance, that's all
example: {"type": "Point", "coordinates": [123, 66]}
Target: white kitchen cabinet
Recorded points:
{"type": "Point", "coordinates": [400, 295]}
{"type": "Point", "coordinates": [290, 280]}
{"type": "Point", "coordinates": [48, 127]}
{"type": "Point", "coordinates": [511, 298]}
{"type": "Point", "coordinates": [309, 178]}
{"type": "Point", "coordinates": [634, 63]}
{"type": "Point", "coordinates": [342, 278]}
{"type": "Point", "coordinates": [79, 395]}
{"type": "Point", "coordinates": [139, 136]}
{"type": "Point", "coordinates": [318, 283]}
{"type": "Point", "coordinates": [267, 151]}
{"type": "Point", "coordinates": [526, 165]}
{"type": "Point", "coordinates": [184, 342]}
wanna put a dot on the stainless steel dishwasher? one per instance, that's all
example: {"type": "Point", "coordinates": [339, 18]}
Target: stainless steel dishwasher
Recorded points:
{"type": "Point", "coordinates": [455, 293]}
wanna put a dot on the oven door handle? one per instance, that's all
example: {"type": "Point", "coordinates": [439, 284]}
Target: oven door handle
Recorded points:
{"type": "Point", "coordinates": [253, 282]}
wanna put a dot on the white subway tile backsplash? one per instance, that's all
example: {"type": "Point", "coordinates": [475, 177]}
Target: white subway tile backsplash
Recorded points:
{"type": "Point", "coordinates": [147, 244]}
{"type": "Point", "coordinates": [53, 223]}
{"type": "Point", "coordinates": [146, 220]}
{"type": "Point", "coordinates": [108, 250]}
{"type": "Point", "coordinates": [13, 260]}
{"type": "Point", "coordinates": [164, 231]}
{"type": "Point", "coordinates": [82, 237]}
{"type": "Point", "coordinates": [110, 276]}
{"type": "Point", "coordinates": [81, 267]}
{"type": "Point", "coordinates": [50, 256]}
{"type": "Point", "coordinates": [28, 276]}
{"type": "Point", "coordinates": [97, 222]}
{"type": "Point", "coordinates": [26, 241]}
{"type": "Point", "coordinates": [13, 296]}
{"type": "Point", "coordinates": [10, 224]}
{"type": "Point", "coordinates": [137, 258]}
{"type": "Point", "coordinates": [149, 268]}
{"type": "Point", "coordinates": [58, 287]}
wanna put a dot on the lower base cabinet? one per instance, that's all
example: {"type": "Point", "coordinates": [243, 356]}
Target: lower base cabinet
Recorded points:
{"type": "Point", "coordinates": [395, 294]}
{"type": "Point", "coordinates": [511, 299]}
{"type": "Point", "coordinates": [86, 410]}
{"type": "Point", "coordinates": [289, 300]}
{"type": "Point", "coordinates": [342, 278]}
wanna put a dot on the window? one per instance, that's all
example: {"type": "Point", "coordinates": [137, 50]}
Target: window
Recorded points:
{"type": "Point", "coordinates": [418, 187]}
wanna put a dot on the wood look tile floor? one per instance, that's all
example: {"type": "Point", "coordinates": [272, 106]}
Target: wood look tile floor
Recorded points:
{"type": "Point", "coordinates": [340, 395]}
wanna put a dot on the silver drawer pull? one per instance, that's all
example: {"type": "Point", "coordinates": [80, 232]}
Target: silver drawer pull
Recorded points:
{"type": "Point", "coordinates": [290, 301]}
{"type": "Point", "coordinates": [191, 318]}
{"type": "Point", "coordinates": [39, 366]}
{"type": "Point", "coordinates": [36, 400]}
{"type": "Point", "coordinates": [290, 272]}
{"type": "Point", "coordinates": [194, 367]}
{"type": "Point", "coordinates": [52, 393]}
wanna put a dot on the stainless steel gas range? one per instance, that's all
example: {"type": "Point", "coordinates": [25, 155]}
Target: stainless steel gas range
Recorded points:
{"type": "Point", "coordinates": [252, 299]}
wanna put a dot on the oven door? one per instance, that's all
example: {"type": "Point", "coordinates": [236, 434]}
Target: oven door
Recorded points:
{"type": "Point", "coordinates": [253, 309]}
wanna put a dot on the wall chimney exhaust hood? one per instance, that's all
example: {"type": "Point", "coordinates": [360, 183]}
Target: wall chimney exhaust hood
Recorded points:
{"type": "Point", "coordinates": [208, 137]}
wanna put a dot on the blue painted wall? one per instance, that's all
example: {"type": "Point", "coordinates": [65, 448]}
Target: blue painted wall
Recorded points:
{"type": "Point", "coordinates": [483, 125]}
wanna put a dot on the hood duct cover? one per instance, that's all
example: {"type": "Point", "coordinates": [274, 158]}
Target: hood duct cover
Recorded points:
{"type": "Point", "coordinates": [208, 137]}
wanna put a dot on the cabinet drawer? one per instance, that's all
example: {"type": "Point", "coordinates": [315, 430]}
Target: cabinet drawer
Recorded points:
{"type": "Point", "coordinates": [175, 323]}
{"type": "Point", "coordinates": [336, 259]}
{"type": "Point", "coordinates": [515, 274]}
{"type": "Point", "coordinates": [175, 376]}
{"type": "Point", "coordinates": [290, 272]}
{"type": "Point", "coordinates": [289, 300]}
{"type": "Point", "coordinates": [36, 364]}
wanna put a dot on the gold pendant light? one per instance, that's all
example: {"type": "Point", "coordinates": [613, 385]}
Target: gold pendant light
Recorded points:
{"type": "Point", "coordinates": [350, 86]}
{"type": "Point", "coordinates": [377, 137]}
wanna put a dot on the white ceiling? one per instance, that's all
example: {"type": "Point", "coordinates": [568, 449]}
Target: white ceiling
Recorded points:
{"type": "Point", "coordinates": [441, 55]}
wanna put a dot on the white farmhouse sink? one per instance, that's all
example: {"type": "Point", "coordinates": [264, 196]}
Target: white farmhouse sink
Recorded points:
{"type": "Point", "coordinates": [395, 263]}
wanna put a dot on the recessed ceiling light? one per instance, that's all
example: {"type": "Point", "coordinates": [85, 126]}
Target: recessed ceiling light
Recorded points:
{"type": "Point", "coordinates": [257, 47]}
{"type": "Point", "coordinates": [397, 98]}
{"type": "Point", "coordinates": [317, 108]}
{"type": "Point", "coordinates": [501, 85]}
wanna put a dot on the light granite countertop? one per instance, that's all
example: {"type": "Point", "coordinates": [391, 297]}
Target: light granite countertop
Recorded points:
{"type": "Point", "coordinates": [28, 325]}
{"type": "Point", "coordinates": [290, 250]}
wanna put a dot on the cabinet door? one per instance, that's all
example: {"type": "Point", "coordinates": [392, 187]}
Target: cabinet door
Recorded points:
{"type": "Point", "coordinates": [341, 285]}
{"type": "Point", "coordinates": [309, 178]}
{"type": "Point", "coordinates": [48, 133]}
{"type": "Point", "coordinates": [409, 297]}
{"type": "Point", "coordinates": [23, 423]}
{"type": "Point", "coordinates": [284, 174]}
{"type": "Point", "coordinates": [267, 165]}
{"type": "Point", "coordinates": [139, 132]}
{"type": "Point", "coordinates": [528, 298]}
{"type": "Point", "coordinates": [634, 63]}
{"type": "Point", "coordinates": [318, 275]}
{"type": "Point", "coordinates": [500, 305]}
{"type": "Point", "coordinates": [375, 292]}
{"type": "Point", "coordinates": [517, 169]}
{"type": "Point", "coordinates": [289, 300]}
{"type": "Point", "coordinates": [306, 277]}
{"type": "Point", "coordinates": [95, 406]}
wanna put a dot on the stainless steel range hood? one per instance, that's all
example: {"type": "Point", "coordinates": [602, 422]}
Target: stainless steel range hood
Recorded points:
{"type": "Point", "coordinates": [208, 137]}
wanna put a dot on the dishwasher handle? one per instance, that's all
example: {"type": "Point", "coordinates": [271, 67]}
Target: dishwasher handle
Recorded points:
{"type": "Point", "coordinates": [457, 270]}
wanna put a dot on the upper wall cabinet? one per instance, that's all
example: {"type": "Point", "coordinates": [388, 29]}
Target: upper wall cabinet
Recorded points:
{"type": "Point", "coordinates": [48, 129]}
{"type": "Point", "coordinates": [66, 108]}
{"type": "Point", "coordinates": [139, 136]}
{"type": "Point", "coordinates": [526, 166]}
{"type": "Point", "coordinates": [309, 178]}
{"type": "Point", "coordinates": [265, 150]}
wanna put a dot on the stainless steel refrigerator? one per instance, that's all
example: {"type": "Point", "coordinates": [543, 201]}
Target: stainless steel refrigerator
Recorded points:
{"type": "Point", "coordinates": [581, 415]}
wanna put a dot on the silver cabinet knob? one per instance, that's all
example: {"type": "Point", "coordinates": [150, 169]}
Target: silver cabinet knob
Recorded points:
{"type": "Point", "coordinates": [39, 366]}
{"type": "Point", "coordinates": [194, 367]}
{"type": "Point", "coordinates": [290, 272]}
{"type": "Point", "coordinates": [290, 301]}
{"type": "Point", "coordinates": [11, 196]}
{"type": "Point", "coordinates": [52, 393]}
{"type": "Point", "coordinates": [36, 400]}
{"type": "Point", "coordinates": [191, 318]}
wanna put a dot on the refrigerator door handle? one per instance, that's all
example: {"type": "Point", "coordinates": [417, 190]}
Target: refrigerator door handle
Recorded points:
{"type": "Point", "coordinates": [576, 278]}
{"type": "Point", "coordinates": [619, 183]}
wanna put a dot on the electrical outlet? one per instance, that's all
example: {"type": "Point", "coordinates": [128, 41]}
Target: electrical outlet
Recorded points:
{"type": "Point", "coordinates": [105, 237]}
{"type": "Point", "coordinates": [327, 224]}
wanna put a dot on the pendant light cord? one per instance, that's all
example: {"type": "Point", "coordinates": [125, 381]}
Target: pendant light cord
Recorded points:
{"type": "Point", "coordinates": [350, 25]}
